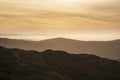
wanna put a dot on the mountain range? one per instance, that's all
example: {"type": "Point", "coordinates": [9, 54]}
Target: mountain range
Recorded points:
{"type": "Point", "coordinates": [106, 49]}
{"type": "Point", "coordinates": [17, 64]}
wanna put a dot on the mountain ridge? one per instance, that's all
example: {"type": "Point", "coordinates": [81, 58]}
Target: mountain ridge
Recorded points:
{"type": "Point", "coordinates": [17, 64]}
{"type": "Point", "coordinates": [108, 49]}
{"type": "Point", "coordinates": [63, 38]}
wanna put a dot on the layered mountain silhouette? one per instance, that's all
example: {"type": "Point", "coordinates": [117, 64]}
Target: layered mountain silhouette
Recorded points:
{"type": "Point", "coordinates": [107, 49]}
{"type": "Point", "coordinates": [16, 64]}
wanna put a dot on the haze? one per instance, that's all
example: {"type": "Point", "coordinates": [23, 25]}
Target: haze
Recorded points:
{"type": "Point", "coordinates": [76, 19]}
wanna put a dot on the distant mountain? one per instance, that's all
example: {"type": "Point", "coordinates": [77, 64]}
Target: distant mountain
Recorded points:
{"type": "Point", "coordinates": [16, 64]}
{"type": "Point", "coordinates": [107, 49]}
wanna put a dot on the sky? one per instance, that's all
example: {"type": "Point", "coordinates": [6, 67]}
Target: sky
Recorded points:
{"type": "Point", "coordinates": [75, 19]}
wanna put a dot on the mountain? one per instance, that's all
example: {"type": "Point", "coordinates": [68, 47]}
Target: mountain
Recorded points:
{"type": "Point", "coordinates": [17, 64]}
{"type": "Point", "coordinates": [107, 49]}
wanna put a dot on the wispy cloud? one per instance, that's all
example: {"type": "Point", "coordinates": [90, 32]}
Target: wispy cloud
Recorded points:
{"type": "Point", "coordinates": [44, 16]}
{"type": "Point", "coordinates": [25, 35]}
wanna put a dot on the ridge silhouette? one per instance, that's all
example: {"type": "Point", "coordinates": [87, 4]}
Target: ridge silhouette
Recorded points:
{"type": "Point", "coordinates": [107, 49]}
{"type": "Point", "coordinates": [17, 64]}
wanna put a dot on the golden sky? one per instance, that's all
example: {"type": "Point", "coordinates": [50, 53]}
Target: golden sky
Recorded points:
{"type": "Point", "coordinates": [76, 19]}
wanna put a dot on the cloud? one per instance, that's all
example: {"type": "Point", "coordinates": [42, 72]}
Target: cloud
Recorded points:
{"type": "Point", "coordinates": [109, 11]}
{"type": "Point", "coordinates": [25, 35]}
{"type": "Point", "coordinates": [106, 14]}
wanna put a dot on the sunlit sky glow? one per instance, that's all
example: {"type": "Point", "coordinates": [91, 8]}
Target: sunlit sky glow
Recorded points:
{"type": "Point", "coordinates": [76, 19]}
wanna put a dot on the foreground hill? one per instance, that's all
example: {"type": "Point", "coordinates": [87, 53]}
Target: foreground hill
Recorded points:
{"type": "Point", "coordinates": [16, 64]}
{"type": "Point", "coordinates": [108, 49]}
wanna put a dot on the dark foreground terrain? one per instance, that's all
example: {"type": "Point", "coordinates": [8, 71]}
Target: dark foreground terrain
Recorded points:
{"type": "Point", "coordinates": [16, 64]}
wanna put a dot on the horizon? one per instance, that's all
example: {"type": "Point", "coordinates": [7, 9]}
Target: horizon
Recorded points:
{"type": "Point", "coordinates": [54, 38]}
{"type": "Point", "coordinates": [87, 20]}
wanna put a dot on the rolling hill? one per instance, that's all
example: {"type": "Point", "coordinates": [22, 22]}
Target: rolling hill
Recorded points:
{"type": "Point", "coordinates": [107, 49]}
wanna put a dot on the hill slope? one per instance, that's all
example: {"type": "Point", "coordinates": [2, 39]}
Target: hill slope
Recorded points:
{"type": "Point", "coordinates": [16, 64]}
{"type": "Point", "coordinates": [108, 49]}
